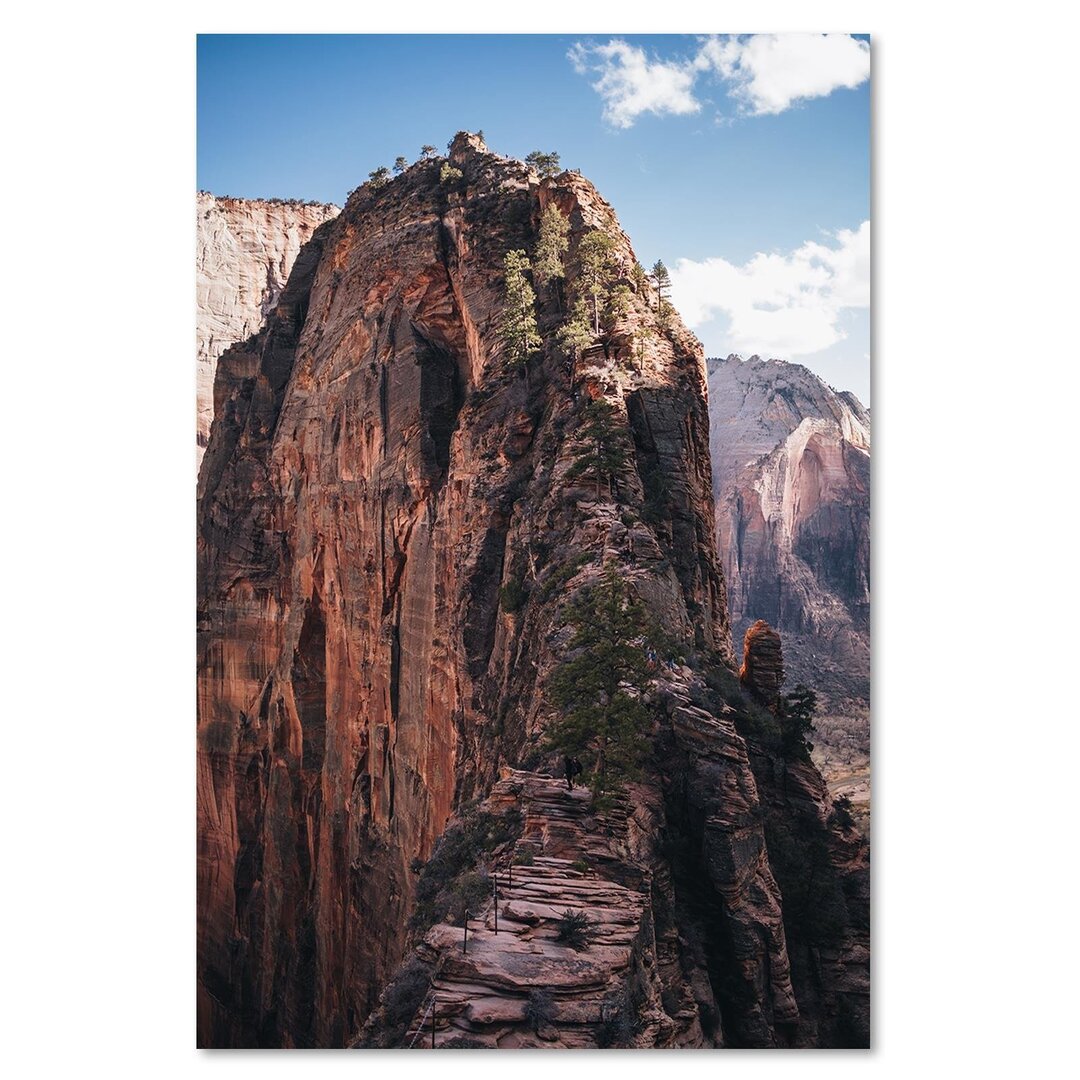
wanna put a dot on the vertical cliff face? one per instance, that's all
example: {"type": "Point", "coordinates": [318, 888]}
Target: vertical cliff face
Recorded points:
{"type": "Point", "coordinates": [791, 471]}
{"type": "Point", "coordinates": [244, 253]}
{"type": "Point", "coordinates": [379, 481]}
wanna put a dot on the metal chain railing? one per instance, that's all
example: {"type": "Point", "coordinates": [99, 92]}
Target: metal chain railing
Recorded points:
{"type": "Point", "coordinates": [420, 1026]}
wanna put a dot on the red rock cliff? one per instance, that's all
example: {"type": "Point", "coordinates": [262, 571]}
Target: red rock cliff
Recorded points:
{"type": "Point", "coordinates": [375, 475]}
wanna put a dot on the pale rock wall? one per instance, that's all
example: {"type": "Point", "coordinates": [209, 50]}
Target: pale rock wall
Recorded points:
{"type": "Point", "coordinates": [244, 253]}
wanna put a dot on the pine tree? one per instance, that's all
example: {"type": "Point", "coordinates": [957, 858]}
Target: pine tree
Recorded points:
{"type": "Point", "coordinates": [617, 306]}
{"type": "Point", "coordinates": [596, 253]}
{"type": "Point", "coordinates": [643, 335]}
{"type": "Point", "coordinates": [517, 325]}
{"type": "Point", "coordinates": [544, 164]}
{"type": "Point", "coordinates": [797, 712]}
{"type": "Point", "coordinates": [601, 450]}
{"type": "Point", "coordinates": [576, 334]}
{"type": "Point", "coordinates": [427, 152]}
{"type": "Point", "coordinates": [662, 280]}
{"type": "Point", "coordinates": [448, 174]}
{"type": "Point", "coordinates": [639, 278]}
{"type": "Point", "coordinates": [551, 246]}
{"type": "Point", "coordinates": [601, 687]}
{"type": "Point", "coordinates": [378, 177]}
{"type": "Point", "coordinates": [400, 165]}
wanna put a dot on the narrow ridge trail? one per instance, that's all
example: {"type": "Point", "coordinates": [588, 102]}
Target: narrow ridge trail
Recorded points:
{"type": "Point", "coordinates": [482, 989]}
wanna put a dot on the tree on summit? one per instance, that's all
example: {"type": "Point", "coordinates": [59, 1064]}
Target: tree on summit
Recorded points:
{"type": "Point", "coordinates": [378, 177]}
{"type": "Point", "coordinates": [427, 152]}
{"type": "Point", "coordinates": [545, 164]}
{"type": "Point", "coordinates": [400, 165]}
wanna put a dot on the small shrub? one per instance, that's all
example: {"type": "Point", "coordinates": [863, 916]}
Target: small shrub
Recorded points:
{"type": "Point", "coordinates": [443, 886]}
{"type": "Point", "coordinates": [580, 865]}
{"type": "Point", "coordinates": [531, 759]}
{"type": "Point", "coordinates": [524, 857]}
{"type": "Point", "coordinates": [463, 1042]}
{"type": "Point", "coordinates": [400, 1001]}
{"type": "Point", "coordinates": [448, 174]}
{"type": "Point", "coordinates": [617, 1026]}
{"type": "Point", "coordinates": [573, 929]}
{"type": "Point", "coordinates": [467, 894]}
{"type": "Point", "coordinates": [558, 577]}
{"type": "Point", "coordinates": [539, 1009]}
{"type": "Point", "coordinates": [841, 815]}
{"type": "Point", "coordinates": [512, 596]}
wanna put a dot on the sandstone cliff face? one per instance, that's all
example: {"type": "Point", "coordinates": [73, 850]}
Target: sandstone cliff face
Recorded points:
{"type": "Point", "coordinates": [244, 253]}
{"type": "Point", "coordinates": [791, 472]}
{"type": "Point", "coordinates": [376, 475]}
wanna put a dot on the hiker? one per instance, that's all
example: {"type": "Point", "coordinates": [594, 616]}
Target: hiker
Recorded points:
{"type": "Point", "coordinates": [568, 769]}
{"type": "Point", "coordinates": [578, 767]}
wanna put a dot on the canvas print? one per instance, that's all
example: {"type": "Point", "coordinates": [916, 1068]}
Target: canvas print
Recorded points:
{"type": "Point", "coordinates": [533, 523]}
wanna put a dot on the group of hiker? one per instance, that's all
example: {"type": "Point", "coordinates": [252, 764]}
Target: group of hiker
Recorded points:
{"type": "Point", "coordinates": [572, 767]}
{"type": "Point", "coordinates": [653, 660]}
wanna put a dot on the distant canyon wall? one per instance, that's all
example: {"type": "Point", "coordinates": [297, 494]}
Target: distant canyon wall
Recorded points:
{"type": "Point", "coordinates": [245, 250]}
{"type": "Point", "coordinates": [791, 472]}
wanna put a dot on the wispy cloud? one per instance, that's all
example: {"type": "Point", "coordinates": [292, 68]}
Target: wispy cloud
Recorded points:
{"type": "Point", "coordinates": [779, 305]}
{"type": "Point", "coordinates": [768, 73]}
{"type": "Point", "coordinates": [630, 83]}
{"type": "Point", "coordinates": [761, 73]}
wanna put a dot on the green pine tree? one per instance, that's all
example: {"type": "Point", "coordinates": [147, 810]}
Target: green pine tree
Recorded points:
{"type": "Point", "coordinates": [378, 177]}
{"type": "Point", "coordinates": [600, 688]}
{"type": "Point", "coordinates": [428, 151]}
{"type": "Point", "coordinates": [601, 448]}
{"type": "Point", "coordinates": [643, 336]}
{"type": "Point", "coordinates": [551, 246]}
{"type": "Point", "coordinates": [797, 712]}
{"type": "Point", "coordinates": [517, 324]}
{"type": "Point", "coordinates": [662, 280]}
{"type": "Point", "coordinates": [617, 306]}
{"type": "Point", "coordinates": [400, 165]}
{"type": "Point", "coordinates": [576, 334]}
{"type": "Point", "coordinates": [544, 164]}
{"type": "Point", "coordinates": [596, 253]}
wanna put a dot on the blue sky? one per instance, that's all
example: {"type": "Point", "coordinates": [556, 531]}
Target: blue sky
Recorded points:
{"type": "Point", "coordinates": [743, 163]}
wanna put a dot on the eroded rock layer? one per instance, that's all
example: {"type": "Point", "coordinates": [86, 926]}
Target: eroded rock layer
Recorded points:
{"type": "Point", "coordinates": [389, 528]}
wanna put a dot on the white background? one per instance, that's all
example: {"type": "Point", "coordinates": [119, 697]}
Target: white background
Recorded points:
{"type": "Point", "coordinates": [975, 397]}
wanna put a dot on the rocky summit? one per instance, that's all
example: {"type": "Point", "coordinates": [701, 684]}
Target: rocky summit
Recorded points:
{"type": "Point", "coordinates": [394, 526]}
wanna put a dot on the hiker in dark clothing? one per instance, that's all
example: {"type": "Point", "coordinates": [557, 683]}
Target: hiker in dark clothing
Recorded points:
{"type": "Point", "coordinates": [568, 769]}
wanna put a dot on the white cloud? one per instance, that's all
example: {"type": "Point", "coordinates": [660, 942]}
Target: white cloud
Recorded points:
{"type": "Point", "coordinates": [762, 73]}
{"type": "Point", "coordinates": [630, 83]}
{"type": "Point", "coordinates": [779, 305]}
{"type": "Point", "coordinates": [768, 73]}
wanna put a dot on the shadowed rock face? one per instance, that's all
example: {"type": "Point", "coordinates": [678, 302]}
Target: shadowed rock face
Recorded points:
{"type": "Point", "coordinates": [244, 253]}
{"type": "Point", "coordinates": [375, 479]}
{"type": "Point", "coordinates": [791, 474]}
